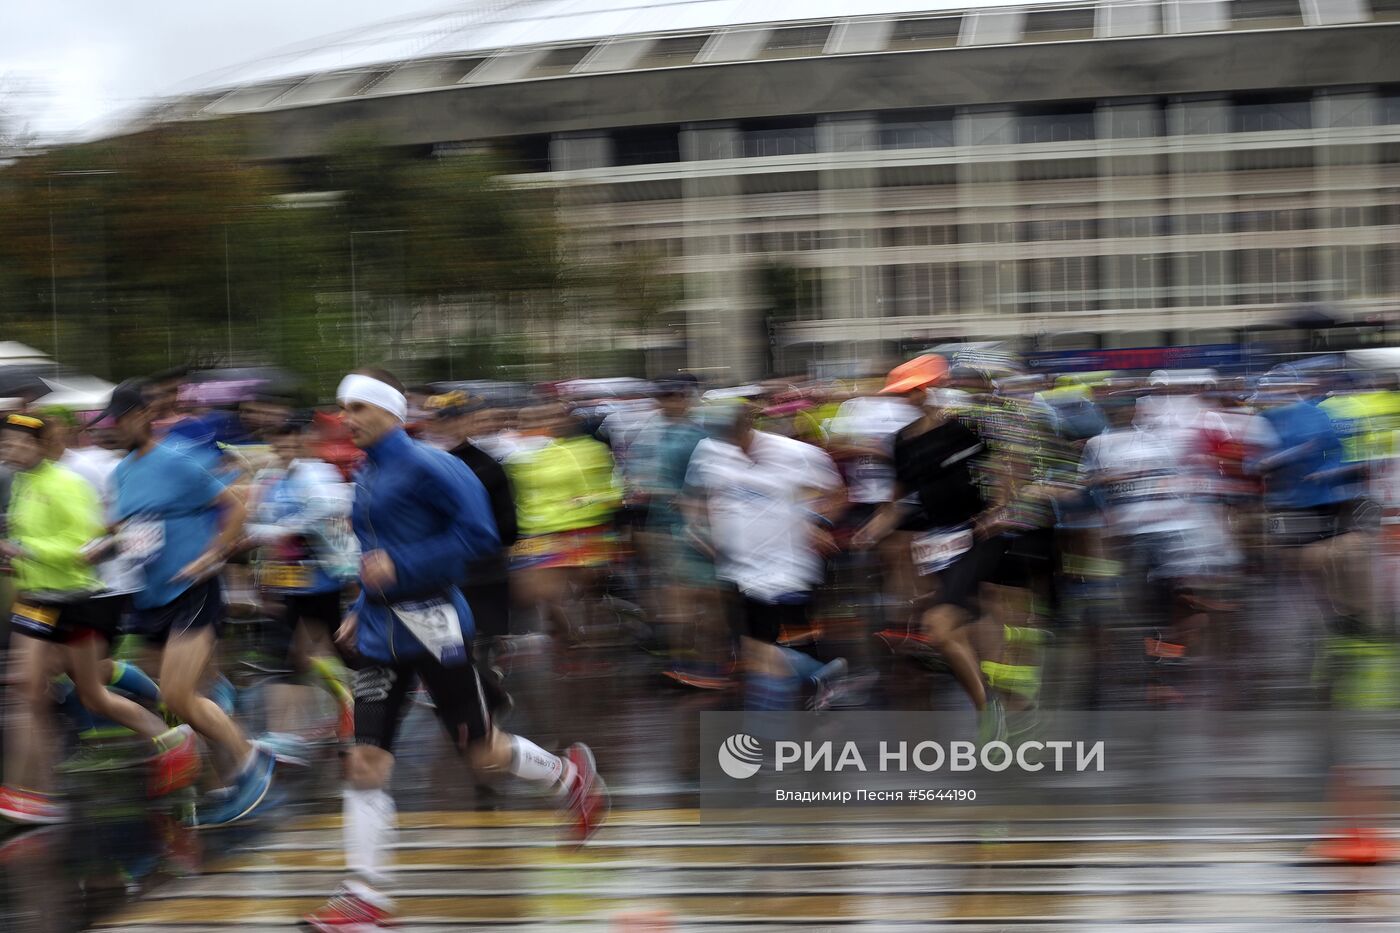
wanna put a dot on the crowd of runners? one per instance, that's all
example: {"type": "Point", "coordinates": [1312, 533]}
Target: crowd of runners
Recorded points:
{"type": "Point", "coordinates": [1083, 540]}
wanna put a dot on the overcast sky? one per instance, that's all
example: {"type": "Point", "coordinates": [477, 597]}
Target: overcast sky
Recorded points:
{"type": "Point", "coordinates": [68, 65]}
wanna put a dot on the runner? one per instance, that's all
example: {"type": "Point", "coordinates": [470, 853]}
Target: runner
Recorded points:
{"type": "Point", "coordinates": [485, 582]}
{"type": "Point", "coordinates": [54, 520]}
{"type": "Point", "coordinates": [763, 506]}
{"type": "Point", "coordinates": [938, 502]}
{"type": "Point", "coordinates": [301, 525]}
{"type": "Point", "coordinates": [421, 516]}
{"type": "Point", "coordinates": [180, 523]}
{"type": "Point", "coordinates": [566, 495]}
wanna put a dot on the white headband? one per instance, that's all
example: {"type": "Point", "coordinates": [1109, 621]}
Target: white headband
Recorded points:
{"type": "Point", "coordinates": [358, 388]}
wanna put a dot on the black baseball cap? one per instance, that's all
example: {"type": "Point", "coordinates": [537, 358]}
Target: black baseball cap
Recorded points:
{"type": "Point", "coordinates": [677, 384]}
{"type": "Point", "coordinates": [127, 397]}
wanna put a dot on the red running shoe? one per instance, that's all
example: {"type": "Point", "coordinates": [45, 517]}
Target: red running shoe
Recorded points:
{"type": "Point", "coordinates": [588, 797]}
{"type": "Point", "coordinates": [30, 808]}
{"type": "Point", "coordinates": [177, 767]}
{"type": "Point", "coordinates": [348, 912]}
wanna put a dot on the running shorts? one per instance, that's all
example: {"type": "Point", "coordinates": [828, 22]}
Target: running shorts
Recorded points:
{"type": "Point", "coordinates": [382, 695]}
{"type": "Point", "coordinates": [199, 607]}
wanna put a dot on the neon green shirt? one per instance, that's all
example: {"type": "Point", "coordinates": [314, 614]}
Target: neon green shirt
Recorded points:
{"type": "Point", "coordinates": [564, 486]}
{"type": "Point", "coordinates": [54, 512]}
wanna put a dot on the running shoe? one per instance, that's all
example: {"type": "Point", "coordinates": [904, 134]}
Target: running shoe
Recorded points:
{"type": "Point", "coordinates": [348, 912]}
{"type": "Point", "coordinates": [30, 808]}
{"type": "Point", "coordinates": [244, 796]}
{"type": "Point", "coordinates": [588, 798]}
{"type": "Point", "coordinates": [701, 676]}
{"type": "Point", "coordinates": [224, 694]}
{"type": "Point", "coordinates": [176, 767]}
{"type": "Point", "coordinates": [825, 683]}
{"type": "Point", "coordinates": [286, 747]}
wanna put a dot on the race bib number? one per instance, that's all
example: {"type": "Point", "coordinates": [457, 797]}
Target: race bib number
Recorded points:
{"type": "Point", "coordinates": [435, 624]}
{"type": "Point", "coordinates": [533, 547]}
{"type": "Point", "coordinates": [34, 620]}
{"type": "Point", "coordinates": [141, 540]}
{"type": "Point", "coordinates": [283, 576]}
{"type": "Point", "coordinates": [938, 550]}
{"type": "Point", "coordinates": [1144, 487]}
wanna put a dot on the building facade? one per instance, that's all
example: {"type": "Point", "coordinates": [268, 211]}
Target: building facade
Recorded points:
{"type": "Point", "coordinates": [833, 189]}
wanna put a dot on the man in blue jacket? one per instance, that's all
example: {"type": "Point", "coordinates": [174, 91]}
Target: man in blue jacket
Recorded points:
{"type": "Point", "coordinates": [420, 516]}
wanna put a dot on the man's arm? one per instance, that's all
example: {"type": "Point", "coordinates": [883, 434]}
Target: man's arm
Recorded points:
{"type": "Point", "coordinates": [232, 514]}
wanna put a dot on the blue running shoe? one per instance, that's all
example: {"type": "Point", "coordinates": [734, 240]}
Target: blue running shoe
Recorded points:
{"type": "Point", "coordinates": [286, 747]}
{"type": "Point", "coordinates": [224, 694]}
{"type": "Point", "coordinates": [245, 796]}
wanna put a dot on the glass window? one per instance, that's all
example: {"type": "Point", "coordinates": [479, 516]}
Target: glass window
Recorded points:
{"type": "Point", "coordinates": [1064, 124]}
{"type": "Point", "coordinates": [559, 61]}
{"type": "Point", "coordinates": [1059, 25]}
{"type": "Point", "coordinates": [672, 51]}
{"type": "Point", "coordinates": [937, 32]}
{"type": "Point", "coordinates": [906, 129]}
{"type": "Point", "coordinates": [645, 145]}
{"type": "Point", "coordinates": [1271, 114]}
{"type": "Point", "coordinates": [796, 41]}
{"type": "Point", "coordinates": [763, 139]}
{"type": "Point", "coordinates": [1265, 14]}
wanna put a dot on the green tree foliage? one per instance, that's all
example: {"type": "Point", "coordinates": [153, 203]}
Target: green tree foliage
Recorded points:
{"type": "Point", "coordinates": [172, 246]}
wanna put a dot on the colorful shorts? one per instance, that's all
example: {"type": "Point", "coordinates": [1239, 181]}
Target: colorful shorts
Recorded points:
{"type": "Point", "coordinates": [584, 547]}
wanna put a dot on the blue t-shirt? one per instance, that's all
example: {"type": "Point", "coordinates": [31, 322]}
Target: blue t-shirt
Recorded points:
{"type": "Point", "coordinates": [166, 501]}
{"type": "Point", "coordinates": [1289, 486]}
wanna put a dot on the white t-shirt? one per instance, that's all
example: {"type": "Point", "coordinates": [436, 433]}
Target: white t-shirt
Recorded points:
{"type": "Point", "coordinates": [1141, 482]}
{"type": "Point", "coordinates": [122, 573]}
{"type": "Point", "coordinates": [760, 520]}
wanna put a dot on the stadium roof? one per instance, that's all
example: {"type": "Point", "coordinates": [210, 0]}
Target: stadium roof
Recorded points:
{"type": "Point", "coordinates": [498, 41]}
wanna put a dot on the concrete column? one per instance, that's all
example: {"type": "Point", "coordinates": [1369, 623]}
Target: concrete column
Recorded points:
{"type": "Point", "coordinates": [724, 328]}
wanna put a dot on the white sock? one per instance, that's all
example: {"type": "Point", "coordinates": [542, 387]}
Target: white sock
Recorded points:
{"type": "Point", "coordinates": [529, 762]}
{"type": "Point", "coordinates": [369, 817]}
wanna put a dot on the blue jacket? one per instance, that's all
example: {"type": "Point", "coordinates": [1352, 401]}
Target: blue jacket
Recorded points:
{"type": "Point", "coordinates": [430, 513]}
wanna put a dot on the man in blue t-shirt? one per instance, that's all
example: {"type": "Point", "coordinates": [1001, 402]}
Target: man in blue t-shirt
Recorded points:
{"type": "Point", "coordinates": [179, 523]}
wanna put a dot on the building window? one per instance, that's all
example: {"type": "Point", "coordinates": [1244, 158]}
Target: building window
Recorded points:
{"type": "Point", "coordinates": [1057, 125]}
{"type": "Point", "coordinates": [1265, 14]}
{"type": "Point", "coordinates": [778, 138]}
{"type": "Point", "coordinates": [903, 129]}
{"type": "Point", "coordinates": [938, 32]}
{"type": "Point", "coordinates": [1058, 25]}
{"type": "Point", "coordinates": [646, 145]}
{"type": "Point", "coordinates": [672, 51]}
{"type": "Point", "coordinates": [1058, 284]}
{"type": "Point", "coordinates": [1271, 114]}
{"type": "Point", "coordinates": [796, 42]}
{"type": "Point", "coordinates": [920, 289]}
{"type": "Point", "coordinates": [1271, 276]}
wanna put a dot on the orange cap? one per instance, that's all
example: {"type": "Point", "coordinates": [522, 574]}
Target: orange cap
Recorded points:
{"type": "Point", "coordinates": [918, 373]}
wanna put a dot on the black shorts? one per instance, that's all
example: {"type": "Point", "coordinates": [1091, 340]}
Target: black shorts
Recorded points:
{"type": "Point", "coordinates": [199, 607]}
{"type": "Point", "coordinates": [490, 606]}
{"type": "Point", "coordinates": [65, 622]}
{"type": "Point", "coordinates": [321, 609]}
{"type": "Point", "coordinates": [960, 584]}
{"type": "Point", "coordinates": [382, 697]}
{"type": "Point", "coordinates": [761, 621]}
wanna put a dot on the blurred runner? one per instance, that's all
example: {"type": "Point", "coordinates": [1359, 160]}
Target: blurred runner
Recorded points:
{"type": "Point", "coordinates": [764, 507]}
{"type": "Point", "coordinates": [566, 495]}
{"type": "Point", "coordinates": [937, 500]}
{"type": "Point", "coordinates": [300, 523]}
{"type": "Point", "coordinates": [180, 523]}
{"type": "Point", "coordinates": [421, 517]}
{"type": "Point", "coordinates": [690, 611]}
{"type": "Point", "coordinates": [55, 519]}
{"type": "Point", "coordinates": [459, 420]}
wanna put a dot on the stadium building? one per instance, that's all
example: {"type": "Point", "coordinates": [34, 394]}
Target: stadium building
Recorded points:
{"type": "Point", "coordinates": [836, 181]}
